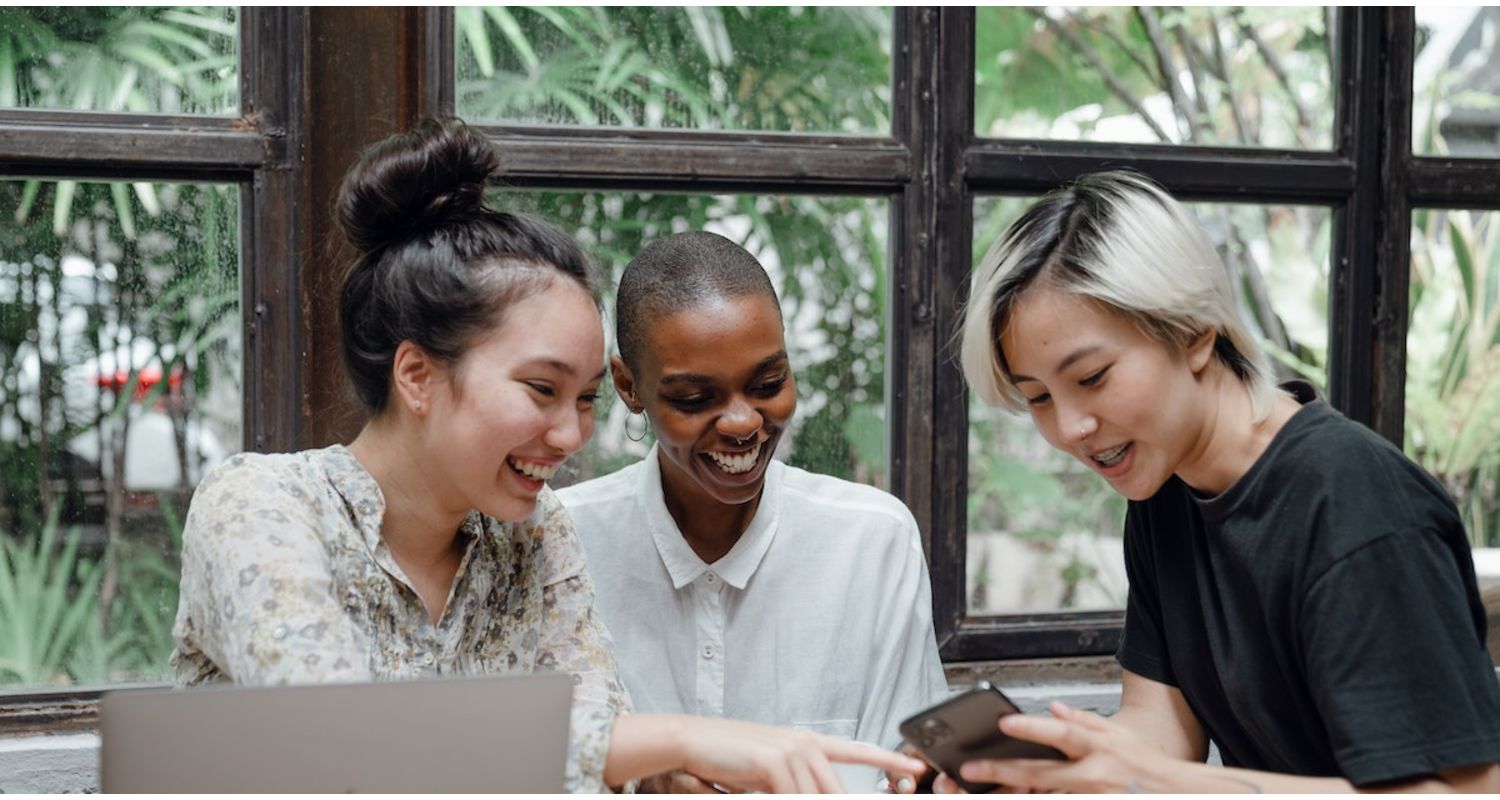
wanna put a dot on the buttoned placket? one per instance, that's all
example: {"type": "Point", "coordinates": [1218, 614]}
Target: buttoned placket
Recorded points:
{"type": "Point", "coordinates": [708, 600]}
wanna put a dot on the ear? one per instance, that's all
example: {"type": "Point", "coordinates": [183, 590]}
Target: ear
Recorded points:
{"type": "Point", "coordinates": [625, 384]}
{"type": "Point", "coordinates": [1200, 351]}
{"type": "Point", "coordinates": [414, 375]}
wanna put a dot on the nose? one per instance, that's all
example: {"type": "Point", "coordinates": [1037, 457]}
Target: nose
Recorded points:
{"type": "Point", "coordinates": [1075, 424]}
{"type": "Point", "coordinates": [739, 421]}
{"type": "Point", "coordinates": [569, 431]}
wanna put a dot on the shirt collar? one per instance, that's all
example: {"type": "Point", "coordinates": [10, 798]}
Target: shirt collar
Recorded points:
{"type": "Point", "coordinates": [358, 488]}
{"type": "Point", "coordinates": [366, 503]}
{"type": "Point", "coordinates": [739, 564]}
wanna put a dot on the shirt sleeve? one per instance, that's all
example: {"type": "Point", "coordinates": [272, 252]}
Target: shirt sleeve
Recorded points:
{"type": "Point", "coordinates": [1398, 671]}
{"type": "Point", "coordinates": [907, 675]}
{"type": "Point", "coordinates": [257, 597]}
{"type": "Point", "coordinates": [1143, 646]}
{"type": "Point", "coordinates": [574, 640]}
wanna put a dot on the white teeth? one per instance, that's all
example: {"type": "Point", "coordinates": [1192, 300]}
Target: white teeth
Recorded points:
{"type": "Point", "coordinates": [534, 471]}
{"type": "Point", "coordinates": [737, 463]}
{"type": "Point", "coordinates": [1109, 458]}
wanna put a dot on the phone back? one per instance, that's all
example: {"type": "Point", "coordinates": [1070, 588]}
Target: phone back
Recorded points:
{"type": "Point", "coordinates": [966, 727]}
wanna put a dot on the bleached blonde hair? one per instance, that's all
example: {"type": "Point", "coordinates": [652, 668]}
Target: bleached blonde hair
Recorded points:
{"type": "Point", "coordinates": [1117, 239]}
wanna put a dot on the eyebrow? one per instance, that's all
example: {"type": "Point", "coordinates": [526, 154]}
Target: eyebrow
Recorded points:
{"type": "Point", "coordinates": [697, 379]}
{"type": "Point", "coordinates": [1068, 361]}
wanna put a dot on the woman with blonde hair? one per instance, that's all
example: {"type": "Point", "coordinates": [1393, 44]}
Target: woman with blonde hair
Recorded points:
{"type": "Point", "coordinates": [1301, 594]}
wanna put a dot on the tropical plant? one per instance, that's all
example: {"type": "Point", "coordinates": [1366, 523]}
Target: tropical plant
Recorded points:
{"type": "Point", "coordinates": [48, 600]}
{"type": "Point", "coordinates": [719, 68]}
{"type": "Point", "coordinates": [1453, 362]}
{"type": "Point", "coordinates": [118, 303]}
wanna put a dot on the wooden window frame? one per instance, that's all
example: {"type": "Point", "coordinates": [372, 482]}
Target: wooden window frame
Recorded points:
{"type": "Point", "coordinates": [319, 84]}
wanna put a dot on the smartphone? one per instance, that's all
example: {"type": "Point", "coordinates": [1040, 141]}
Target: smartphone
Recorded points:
{"type": "Point", "coordinates": [967, 727]}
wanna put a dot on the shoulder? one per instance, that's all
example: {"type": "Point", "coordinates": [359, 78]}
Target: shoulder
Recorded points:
{"type": "Point", "coordinates": [248, 482]}
{"type": "Point", "coordinates": [1354, 474]}
{"type": "Point", "coordinates": [809, 494]}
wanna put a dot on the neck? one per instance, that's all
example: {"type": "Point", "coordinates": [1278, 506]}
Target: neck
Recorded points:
{"type": "Point", "coordinates": [709, 526]}
{"type": "Point", "coordinates": [418, 528]}
{"type": "Point", "coordinates": [1229, 440]}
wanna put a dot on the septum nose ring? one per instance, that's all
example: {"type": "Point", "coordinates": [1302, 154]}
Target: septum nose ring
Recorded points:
{"type": "Point", "coordinates": [738, 440]}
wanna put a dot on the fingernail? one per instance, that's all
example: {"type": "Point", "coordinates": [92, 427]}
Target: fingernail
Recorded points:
{"type": "Point", "coordinates": [906, 785]}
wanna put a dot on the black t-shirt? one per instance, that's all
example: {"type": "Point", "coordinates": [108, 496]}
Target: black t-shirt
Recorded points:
{"type": "Point", "coordinates": [1321, 616]}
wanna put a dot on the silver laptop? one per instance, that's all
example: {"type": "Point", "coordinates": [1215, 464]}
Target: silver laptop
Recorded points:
{"type": "Point", "coordinates": [496, 734]}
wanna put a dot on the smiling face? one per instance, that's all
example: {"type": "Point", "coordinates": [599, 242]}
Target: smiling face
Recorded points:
{"type": "Point", "coordinates": [519, 402]}
{"type": "Point", "coordinates": [716, 383]}
{"type": "Point", "coordinates": [1100, 389]}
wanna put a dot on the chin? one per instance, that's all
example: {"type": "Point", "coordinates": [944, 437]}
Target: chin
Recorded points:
{"type": "Point", "coordinates": [511, 510]}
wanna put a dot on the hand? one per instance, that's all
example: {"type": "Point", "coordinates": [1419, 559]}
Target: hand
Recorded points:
{"type": "Point", "coordinates": [750, 757]}
{"type": "Point", "coordinates": [1103, 758]}
{"type": "Point", "coordinates": [903, 781]}
{"type": "Point", "coordinates": [676, 782]}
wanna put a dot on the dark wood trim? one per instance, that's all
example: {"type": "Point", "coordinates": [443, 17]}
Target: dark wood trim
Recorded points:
{"type": "Point", "coordinates": [273, 228]}
{"type": "Point", "coordinates": [108, 119]}
{"type": "Point", "coordinates": [929, 427]}
{"type": "Point", "coordinates": [110, 152]}
{"type": "Point", "coordinates": [1358, 118]}
{"type": "Point", "coordinates": [1455, 183]}
{"type": "Point", "coordinates": [1198, 173]}
{"type": "Point", "coordinates": [1392, 300]}
{"type": "Point", "coordinates": [693, 162]}
{"type": "Point", "coordinates": [1038, 636]}
{"type": "Point", "coordinates": [438, 63]}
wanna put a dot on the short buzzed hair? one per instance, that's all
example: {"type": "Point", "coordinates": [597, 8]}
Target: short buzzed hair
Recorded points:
{"type": "Point", "coordinates": [679, 272]}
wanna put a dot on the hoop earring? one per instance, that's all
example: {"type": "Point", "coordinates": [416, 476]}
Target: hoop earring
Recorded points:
{"type": "Point", "coordinates": [645, 426]}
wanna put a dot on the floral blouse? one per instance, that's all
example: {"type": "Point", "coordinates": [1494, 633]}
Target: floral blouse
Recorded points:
{"type": "Point", "coordinates": [285, 579]}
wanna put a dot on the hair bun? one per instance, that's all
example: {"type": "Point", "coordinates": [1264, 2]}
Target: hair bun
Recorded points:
{"type": "Point", "coordinates": [415, 182]}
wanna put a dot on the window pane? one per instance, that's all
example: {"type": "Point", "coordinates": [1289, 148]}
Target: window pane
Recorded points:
{"type": "Point", "coordinates": [720, 68]}
{"type": "Point", "coordinates": [826, 257]}
{"type": "Point", "coordinates": [1043, 529]}
{"type": "Point", "coordinates": [1455, 84]}
{"type": "Point", "coordinates": [157, 59]}
{"type": "Point", "coordinates": [119, 386]}
{"type": "Point", "coordinates": [1453, 363]}
{"type": "Point", "coordinates": [1251, 77]}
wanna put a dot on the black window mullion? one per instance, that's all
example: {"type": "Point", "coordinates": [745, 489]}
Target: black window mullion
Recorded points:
{"type": "Point", "coordinates": [1370, 255]}
{"type": "Point", "coordinates": [273, 228]}
{"type": "Point", "coordinates": [1218, 173]}
{"type": "Point", "coordinates": [694, 161]}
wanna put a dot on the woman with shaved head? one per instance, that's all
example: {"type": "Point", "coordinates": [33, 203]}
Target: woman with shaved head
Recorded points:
{"type": "Point", "coordinates": [734, 584]}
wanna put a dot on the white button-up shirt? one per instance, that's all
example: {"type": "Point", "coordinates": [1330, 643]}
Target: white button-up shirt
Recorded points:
{"type": "Point", "coordinates": [819, 617]}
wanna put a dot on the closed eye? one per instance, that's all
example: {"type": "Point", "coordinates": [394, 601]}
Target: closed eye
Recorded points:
{"type": "Point", "coordinates": [770, 388]}
{"type": "Point", "coordinates": [541, 388]}
{"type": "Point", "coordinates": [1039, 399]}
{"type": "Point", "coordinates": [1095, 378]}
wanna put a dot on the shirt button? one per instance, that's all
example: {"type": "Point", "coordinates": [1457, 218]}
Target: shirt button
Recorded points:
{"type": "Point", "coordinates": [712, 579]}
{"type": "Point", "coordinates": [708, 651]}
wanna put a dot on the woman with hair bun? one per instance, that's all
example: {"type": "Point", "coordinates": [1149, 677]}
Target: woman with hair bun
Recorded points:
{"type": "Point", "coordinates": [431, 545]}
{"type": "Point", "coordinates": [1301, 594]}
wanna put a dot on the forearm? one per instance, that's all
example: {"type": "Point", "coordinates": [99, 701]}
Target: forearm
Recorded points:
{"type": "Point", "coordinates": [642, 745]}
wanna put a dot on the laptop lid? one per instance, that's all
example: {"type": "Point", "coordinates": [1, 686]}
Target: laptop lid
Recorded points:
{"type": "Point", "coordinates": [492, 734]}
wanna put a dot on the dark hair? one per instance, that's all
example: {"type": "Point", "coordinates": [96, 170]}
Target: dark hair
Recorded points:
{"type": "Point", "coordinates": [678, 272]}
{"type": "Point", "coordinates": [436, 265]}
